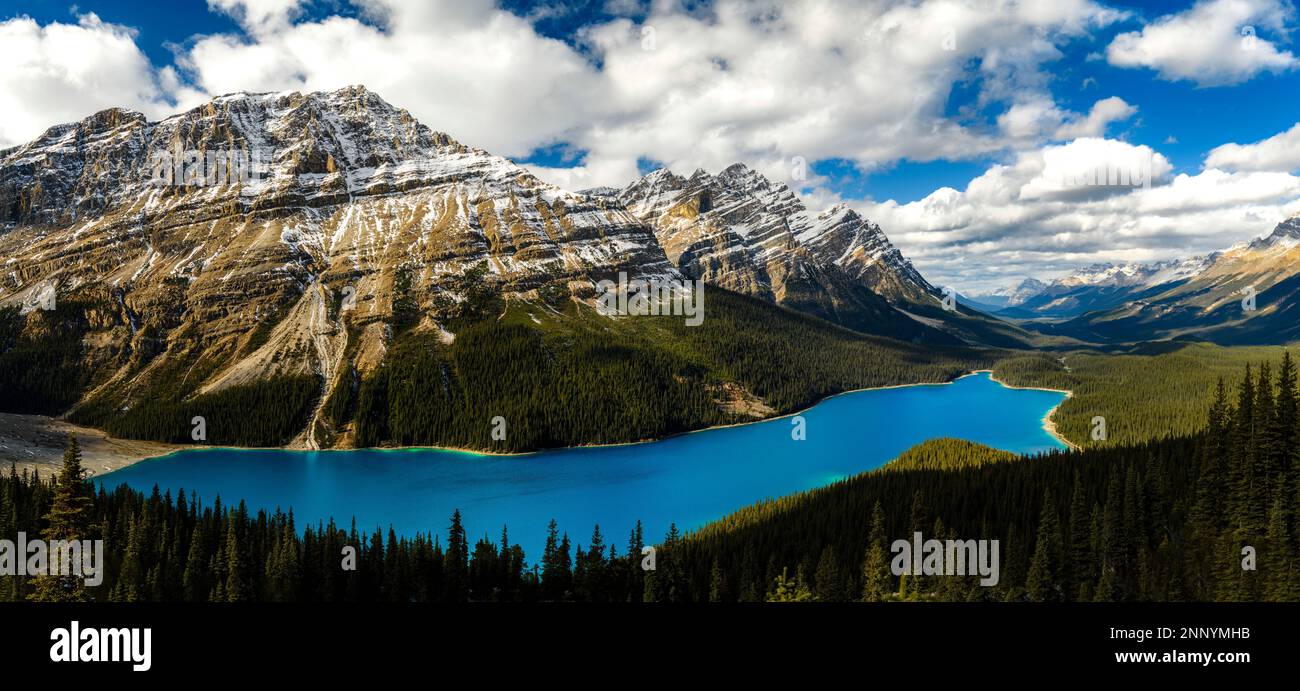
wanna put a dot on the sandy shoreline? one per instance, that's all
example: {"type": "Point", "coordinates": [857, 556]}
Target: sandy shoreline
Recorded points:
{"type": "Point", "coordinates": [36, 442]}
{"type": "Point", "coordinates": [1048, 423]}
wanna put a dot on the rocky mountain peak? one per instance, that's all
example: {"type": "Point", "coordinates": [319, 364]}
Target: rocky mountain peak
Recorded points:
{"type": "Point", "coordinates": [1287, 232]}
{"type": "Point", "coordinates": [351, 196]}
{"type": "Point", "coordinates": [841, 211]}
{"type": "Point", "coordinates": [313, 146]}
{"type": "Point", "coordinates": [1020, 291]}
{"type": "Point", "coordinates": [750, 233]}
{"type": "Point", "coordinates": [743, 178]}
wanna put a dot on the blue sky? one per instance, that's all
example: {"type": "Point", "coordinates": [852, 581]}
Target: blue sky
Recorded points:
{"type": "Point", "coordinates": [1181, 119]}
{"type": "Point", "coordinates": [596, 92]}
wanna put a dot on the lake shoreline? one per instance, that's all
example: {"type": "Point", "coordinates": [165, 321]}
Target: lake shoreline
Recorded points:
{"type": "Point", "coordinates": [35, 443]}
{"type": "Point", "coordinates": [510, 454]}
{"type": "Point", "coordinates": [689, 481]}
{"type": "Point", "coordinates": [1048, 423]}
{"type": "Point", "coordinates": [126, 460]}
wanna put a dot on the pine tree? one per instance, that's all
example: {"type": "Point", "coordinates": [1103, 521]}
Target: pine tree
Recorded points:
{"type": "Point", "coordinates": [557, 565]}
{"type": "Point", "coordinates": [635, 574]}
{"type": "Point", "coordinates": [130, 586]}
{"type": "Point", "coordinates": [1267, 451]}
{"type": "Point", "coordinates": [669, 579]}
{"type": "Point", "coordinates": [876, 585]}
{"type": "Point", "coordinates": [551, 586]}
{"type": "Point", "coordinates": [1136, 547]}
{"type": "Point", "coordinates": [455, 562]}
{"type": "Point", "coordinates": [566, 565]}
{"type": "Point", "coordinates": [1015, 564]}
{"type": "Point", "coordinates": [1081, 561]}
{"type": "Point", "coordinates": [1278, 559]}
{"type": "Point", "coordinates": [1043, 582]}
{"type": "Point", "coordinates": [68, 519]}
{"type": "Point", "coordinates": [10, 490]}
{"type": "Point", "coordinates": [1242, 471]}
{"type": "Point", "coordinates": [283, 573]}
{"type": "Point", "coordinates": [236, 587]}
{"type": "Point", "coordinates": [827, 580]}
{"type": "Point", "coordinates": [1109, 586]}
{"type": "Point", "coordinates": [1286, 417]}
{"type": "Point", "coordinates": [717, 583]}
{"type": "Point", "coordinates": [917, 583]}
{"type": "Point", "coordinates": [1209, 504]}
{"type": "Point", "coordinates": [786, 590]}
{"type": "Point", "coordinates": [594, 562]}
{"type": "Point", "coordinates": [509, 569]}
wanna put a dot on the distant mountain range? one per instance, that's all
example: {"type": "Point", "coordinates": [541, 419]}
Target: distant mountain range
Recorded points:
{"type": "Point", "coordinates": [1091, 288]}
{"type": "Point", "coordinates": [1011, 296]}
{"type": "Point", "coordinates": [1198, 297]}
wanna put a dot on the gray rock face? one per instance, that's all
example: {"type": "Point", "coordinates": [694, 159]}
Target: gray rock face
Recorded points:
{"type": "Point", "coordinates": [245, 276]}
{"type": "Point", "coordinates": [741, 231]}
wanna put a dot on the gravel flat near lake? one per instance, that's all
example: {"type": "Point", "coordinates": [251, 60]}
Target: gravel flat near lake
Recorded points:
{"type": "Point", "coordinates": [36, 442]}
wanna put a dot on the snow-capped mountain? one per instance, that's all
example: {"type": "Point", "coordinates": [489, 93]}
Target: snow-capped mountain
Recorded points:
{"type": "Point", "coordinates": [1284, 238]}
{"type": "Point", "coordinates": [1010, 296]}
{"type": "Point", "coordinates": [1132, 274]}
{"type": "Point", "coordinates": [356, 200]}
{"type": "Point", "coordinates": [1246, 294]}
{"type": "Point", "coordinates": [321, 226]}
{"type": "Point", "coordinates": [749, 234]}
{"type": "Point", "coordinates": [742, 231]}
{"type": "Point", "coordinates": [1100, 286]}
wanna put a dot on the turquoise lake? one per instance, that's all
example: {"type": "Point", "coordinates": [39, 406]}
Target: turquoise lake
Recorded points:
{"type": "Point", "coordinates": [689, 479]}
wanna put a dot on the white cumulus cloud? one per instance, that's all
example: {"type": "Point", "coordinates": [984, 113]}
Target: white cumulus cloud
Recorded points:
{"type": "Point", "coordinates": [1214, 43]}
{"type": "Point", "coordinates": [481, 74]}
{"type": "Point", "coordinates": [1018, 219]}
{"type": "Point", "coordinates": [63, 72]}
{"type": "Point", "coordinates": [259, 16]}
{"type": "Point", "coordinates": [1280, 152]}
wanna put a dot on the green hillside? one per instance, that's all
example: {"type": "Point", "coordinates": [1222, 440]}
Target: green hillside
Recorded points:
{"type": "Point", "coordinates": [557, 373]}
{"type": "Point", "coordinates": [1163, 520]}
{"type": "Point", "coordinates": [1147, 393]}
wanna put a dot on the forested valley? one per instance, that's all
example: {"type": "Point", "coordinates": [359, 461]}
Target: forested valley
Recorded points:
{"type": "Point", "coordinates": [576, 378]}
{"type": "Point", "coordinates": [1143, 392]}
{"type": "Point", "coordinates": [1163, 520]}
{"type": "Point", "coordinates": [554, 371]}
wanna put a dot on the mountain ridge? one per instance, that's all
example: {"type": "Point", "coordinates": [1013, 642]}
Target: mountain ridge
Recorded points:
{"type": "Point", "coordinates": [248, 279]}
{"type": "Point", "coordinates": [746, 233]}
{"type": "Point", "coordinates": [364, 231]}
{"type": "Point", "coordinates": [1246, 294]}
